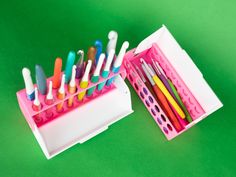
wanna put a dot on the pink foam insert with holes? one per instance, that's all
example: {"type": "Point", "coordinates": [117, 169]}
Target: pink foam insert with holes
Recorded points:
{"type": "Point", "coordinates": [160, 117]}
{"type": "Point", "coordinates": [192, 105]}
{"type": "Point", "coordinates": [145, 95]}
{"type": "Point", "coordinates": [39, 118]}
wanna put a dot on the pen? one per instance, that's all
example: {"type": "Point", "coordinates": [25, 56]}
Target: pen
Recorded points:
{"type": "Point", "coordinates": [72, 86]}
{"type": "Point", "coordinates": [29, 86]}
{"type": "Point", "coordinates": [118, 61]}
{"type": "Point", "coordinates": [98, 45]}
{"type": "Point", "coordinates": [96, 74]}
{"type": "Point", "coordinates": [69, 64]}
{"type": "Point", "coordinates": [49, 100]}
{"type": "Point", "coordinates": [61, 94]}
{"type": "Point", "coordinates": [106, 70]}
{"type": "Point", "coordinates": [57, 73]}
{"type": "Point", "coordinates": [85, 80]}
{"type": "Point", "coordinates": [162, 100]}
{"type": "Point", "coordinates": [162, 87]}
{"type": "Point", "coordinates": [80, 65]}
{"type": "Point", "coordinates": [112, 36]}
{"type": "Point", "coordinates": [41, 80]}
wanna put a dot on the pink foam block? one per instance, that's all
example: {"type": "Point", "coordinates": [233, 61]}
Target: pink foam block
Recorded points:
{"type": "Point", "coordinates": [40, 118]}
{"type": "Point", "coordinates": [151, 104]}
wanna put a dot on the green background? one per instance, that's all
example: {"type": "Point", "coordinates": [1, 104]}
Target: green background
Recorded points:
{"type": "Point", "coordinates": [33, 33]}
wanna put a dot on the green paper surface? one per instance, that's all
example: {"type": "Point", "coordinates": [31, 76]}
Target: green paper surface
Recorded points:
{"type": "Point", "coordinates": [37, 32]}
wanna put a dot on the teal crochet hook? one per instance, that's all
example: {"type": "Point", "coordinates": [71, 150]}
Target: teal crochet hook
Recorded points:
{"type": "Point", "coordinates": [96, 74]}
{"type": "Point", "coordinates": [69, 65]}
{"type": "Point", "coordinates": [106, 70]}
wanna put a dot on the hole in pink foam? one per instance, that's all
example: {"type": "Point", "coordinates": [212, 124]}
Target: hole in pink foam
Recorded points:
{"type": "Point", "coordinates": [136, 86]}
{"type": "Point", "coordinates": [159, 121]}
{"type": "Point", "coordinates": [150, 99]}
{"type": "Point", "coordinates": [131, 78]}
{"type": "Point", "coordinates": [163, 117]}
{"type": "Point", "coordinates": [169, 127]}
{"type": "Point", "coordinates": [153, 112]}
{"type": "Point", "coordinates": [157, 108]}
{"type": "Point", "coordinates": [141, 94]}
{"type": "Point", "coordinates": [145, 91]}
{"type": "Point", "coordinates": [147, 103]}
{"type": "Point", "coordinates": [165, 130]}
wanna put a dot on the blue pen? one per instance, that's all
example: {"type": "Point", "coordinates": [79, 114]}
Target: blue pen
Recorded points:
{"type": "Point", "coordinates": [98, 45]}
{"type": "Point", "coordinates": [41, 79]}
{"type": "Point", "coordinates": [69, 65]}
{"type": "Point", "coordinates": [118, 61]}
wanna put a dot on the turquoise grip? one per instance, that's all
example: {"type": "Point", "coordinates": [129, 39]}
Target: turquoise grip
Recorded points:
{"type": "Point", "coordinates": [105, 74]}
{"type": "Point", "coordinates": [94, 79]}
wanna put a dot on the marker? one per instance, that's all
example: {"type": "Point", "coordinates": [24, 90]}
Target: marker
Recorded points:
{"type": "Point", "coordinates": [148, 84]}
{"type": "Point", "coordinates": [106, 70]}
{"type": "Point", "coordinates": [29, 86]}
{"type": "Point", "coordinates": [72, 86]}
{"type": "Point", "coordinates": [69, 64]}
{"type": "Point", "coordinates": [91, 54]}
{"type": "Point", "coordinates": [80, 65]}
{"type": "Point", "coordinates": [98, 45]}
{"type": "Point", "coordinates": [49, 100]}
{"type": "Point", "coordinates": [84, 80]}
{"type": "Point", "coordinates": [163, 101]}
{"type": "Point", "coordinates": [164, 90]}
{"type": "Point", "coordinates": [41, 80]}
{"type": "Point", "coordinates": [56, 80]}
{"type": "Point", "coordinates": [61, 94]}
{"type": "Point", "coordinates": [112, 36]}
{"type": "Point", "coordinates": [96, 74]}
{"type": "Point", "coordinates": [118, 61]}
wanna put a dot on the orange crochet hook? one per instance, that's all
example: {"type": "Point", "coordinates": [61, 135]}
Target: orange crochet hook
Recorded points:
{"type": "Point", "coordinates": [56, 80]}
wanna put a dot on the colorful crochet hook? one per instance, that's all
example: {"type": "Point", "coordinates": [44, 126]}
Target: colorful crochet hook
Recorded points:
{"type": "Point", "coordinates": [96, 74]}
{"type": "Point", "coordinates": [85, 80]}
{"type": "Point", "coordinates": [106, 70]}
{"type": "Point", "coordinates": [29, 86]}
{"type": "Point", "coordinates": [164, 90]}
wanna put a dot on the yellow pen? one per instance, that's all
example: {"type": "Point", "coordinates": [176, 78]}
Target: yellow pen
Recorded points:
{"type": "Point", "coordinates": [84, 81]}
{"type": "Point", "coordinates": [164, 90]}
